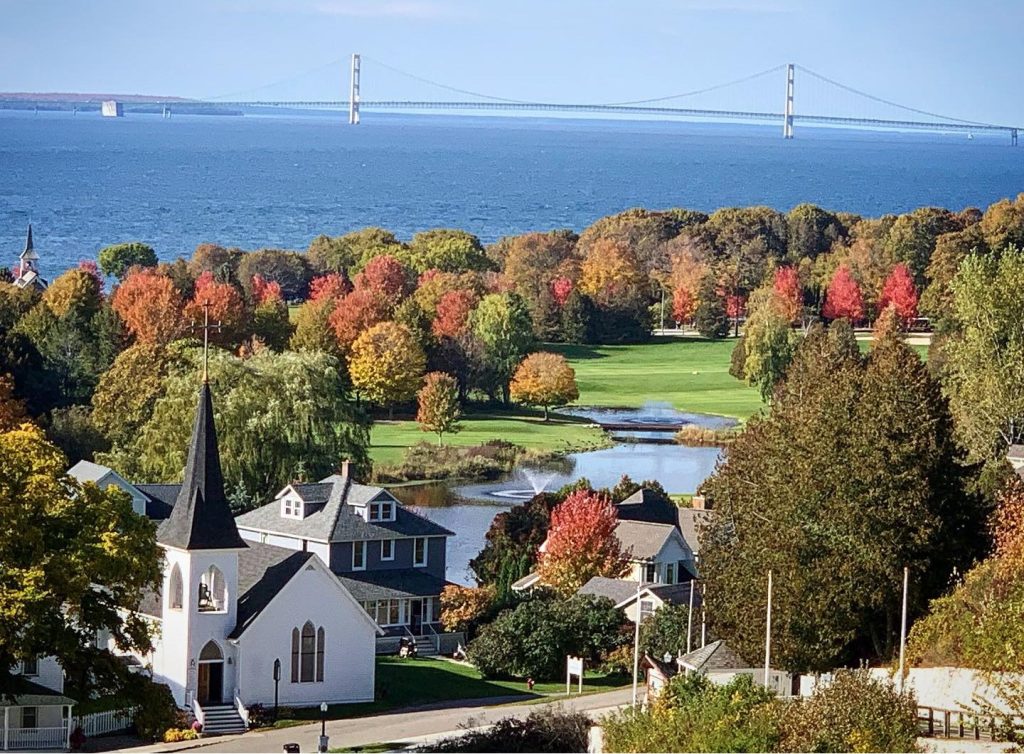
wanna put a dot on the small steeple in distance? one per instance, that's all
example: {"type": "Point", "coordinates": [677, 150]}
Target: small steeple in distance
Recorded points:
{"type": "Point", "coordinates": [201, 518]}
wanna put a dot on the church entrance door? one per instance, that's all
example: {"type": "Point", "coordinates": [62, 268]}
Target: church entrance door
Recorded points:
{"type": "Point", "coordinates": [210, 681]}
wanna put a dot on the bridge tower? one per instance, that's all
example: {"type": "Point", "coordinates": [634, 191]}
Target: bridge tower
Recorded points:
{"type": "Point", "coordinates": [353, 92]}
{"type": "Point", "coordinates": [787, 117]}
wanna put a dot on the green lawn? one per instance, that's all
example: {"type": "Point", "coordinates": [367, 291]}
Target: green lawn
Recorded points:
{"type": "Point", "coordinates": [427, 680]}
{"type": "Point", "coordinates": [388, 439]}
{"type": "Point", "coordinates": [690, 373]}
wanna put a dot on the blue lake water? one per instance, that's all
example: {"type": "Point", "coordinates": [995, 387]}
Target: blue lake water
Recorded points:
{"type": "Point", "coordinates": [253, 182]}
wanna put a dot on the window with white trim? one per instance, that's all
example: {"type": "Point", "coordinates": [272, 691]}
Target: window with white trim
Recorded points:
{"type": "Point", "coordinates": [419, 552]}
{"type": "Point", "coordinates": [291, 507]}
{"type": "Point", "coordinates": [646, 609]}
{"type": "Point", "coordinates": [359, 556]}
{"type": "Point", "coordinates": [387, 549]}
{"type": "Point", "coordinates": [30, 717]}
{"type": "Point", "coordinates": [670, 573]}
{"type": "Point", "coordinates": [308, 654]}
{"type": "Point", "coordinates": [650, 573]}
{"type": "Point", "coordinates": [383, 510]}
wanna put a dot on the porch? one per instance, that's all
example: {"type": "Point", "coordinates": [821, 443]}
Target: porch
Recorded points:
{"type": "Point", "coordinates": [36, 718]}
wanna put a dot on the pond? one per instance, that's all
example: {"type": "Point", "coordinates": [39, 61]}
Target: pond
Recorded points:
{"type": "Point", "coordinates": [469, 509]}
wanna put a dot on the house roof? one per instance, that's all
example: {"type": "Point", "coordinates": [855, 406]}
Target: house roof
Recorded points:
{"type": "Point", "coordinates": [1015, 453]}
{"type": "Point", "coordinates": [689, 521]}
{"type": "Point", "coordinates": [392, 584]}
{"type": "Point", "coordinates": [667, 669]}
{"type": "Point", "coordinates": [336, 520]}
{"type": "Point", "coordinates": [263, 571]}
{"type": "Point", "coordinates": [526, 581]}
{"type": "Point", "coordinates": [30, 249]}
{"type": "Point", "coordinates": [159, 499]}
{"type": "Point", "coordinates": [201, 518]}
{"type": "Point", "coordinates": [647, 505]}
{"type": "Point", "coordinates": [642, 540]}
{"type": "Point", "coordinates": [714, 656]}
{"type": "Point", "coordinates": [617, 590]}
{"type": "Point", "coordinates": [28, 693]}
{"type": "Point", "coordinates": [87, 471]}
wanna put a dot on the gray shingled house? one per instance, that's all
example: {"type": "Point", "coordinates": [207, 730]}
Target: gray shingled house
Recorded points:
{"type": "Point", "coordinates": [391, 559]}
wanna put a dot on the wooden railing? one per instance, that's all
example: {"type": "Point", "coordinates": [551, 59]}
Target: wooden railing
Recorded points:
{"type": "Point", "coordinates": [947, 723]}
{"type": "Point", "coordinates": [51, 739]}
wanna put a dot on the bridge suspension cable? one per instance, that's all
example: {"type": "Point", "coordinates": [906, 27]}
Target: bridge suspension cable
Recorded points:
{"type": "Point", "coordinates": [285, 80]}
{"type": "Point", "coordinates": [705, 90]}
{"type": "Point", "coordinates": [883, 101]}
{"type": "Point", "coordinates": [438, 84]}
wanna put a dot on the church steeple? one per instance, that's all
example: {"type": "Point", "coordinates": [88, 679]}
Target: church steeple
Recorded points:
{"type": "Point", "coordinates": [28, 242]}
{"type": "Point", "coordinates": [201, 519]}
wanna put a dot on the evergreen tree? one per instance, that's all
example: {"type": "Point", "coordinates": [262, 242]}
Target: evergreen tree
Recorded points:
{"type": "Point", "coordinates": [710, 317]}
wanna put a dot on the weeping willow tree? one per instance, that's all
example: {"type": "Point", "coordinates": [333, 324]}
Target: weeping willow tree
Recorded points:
{"type": "Point", "coordinates": [280, 417]}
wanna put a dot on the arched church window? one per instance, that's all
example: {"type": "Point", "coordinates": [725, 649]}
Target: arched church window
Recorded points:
{"type": "Point", "coordinates": [175, 589]}
{"type": "Point", "coordinates": [308, 653]}
{"type": "Point", "coordinates": [320, 653]}
{"type": "Point", "coordinates": [213, 595]}
{"type": "Point", "coordinates": [295, 655]}
{"type": "Point", "coordinates": [211, 652]}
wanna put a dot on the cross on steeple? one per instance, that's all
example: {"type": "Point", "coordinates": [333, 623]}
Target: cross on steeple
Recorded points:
{"type": "Point", "coordinates": [206, 328]}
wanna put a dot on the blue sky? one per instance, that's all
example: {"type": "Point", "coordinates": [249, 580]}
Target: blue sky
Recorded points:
{"type": "Point", "coordinates": [954, 57]}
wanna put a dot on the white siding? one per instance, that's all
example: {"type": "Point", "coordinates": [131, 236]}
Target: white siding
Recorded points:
{"type": "Point", "coordinates": [313, 595]}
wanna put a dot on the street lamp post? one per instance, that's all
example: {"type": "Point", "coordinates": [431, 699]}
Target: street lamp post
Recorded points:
{"type": "Point", "coordinates": [277, 680]}
{"type": "Point", "coordinates": [323, 727]}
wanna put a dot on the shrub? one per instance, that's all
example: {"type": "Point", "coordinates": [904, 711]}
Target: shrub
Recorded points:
{"type": "Point", "coordinates": [854, 713]}
{"type": "Point", "coordinates": [157, 710]}
{"type": "Point", "coordinates": [545, 730]}
{"type": "Point", "coordinates": [533, 638]}
{"type": "Point", "coordinates": [428, 461]}
{"type": "Point", "coordinates": [694, 714]}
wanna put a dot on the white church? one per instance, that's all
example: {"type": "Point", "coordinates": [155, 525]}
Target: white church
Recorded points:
{"type": "Point", "coordinates": [236, 618]}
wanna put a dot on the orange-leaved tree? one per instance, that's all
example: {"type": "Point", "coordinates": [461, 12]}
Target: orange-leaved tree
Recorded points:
{"type": "Point", "coordinates": [462, 607]}
{"type": "Point", "coordinates": [150, 306]}
{"type": "Point", "coordinates": [544, 379]}
{"type": "Point", "coordinates": [226, 309]}
{"type": "Point", "coordinates": [788, 293]}
{"type": "Point", "coordinates": [581, 543]}
{"type": "Point", "coordinates": [900, 293]}
{"type": "Point", "coordinates": [453, 312]}
{"type": "Point", "coordinates": [844, 299]}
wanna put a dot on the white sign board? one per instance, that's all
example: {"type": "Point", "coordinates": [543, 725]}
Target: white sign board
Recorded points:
{"type": "Point", "coordinates": [573, 667]}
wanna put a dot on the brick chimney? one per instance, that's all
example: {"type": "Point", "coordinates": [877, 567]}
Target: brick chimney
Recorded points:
{"type": "Point", "coordinates": [344, 468]}
{"type": "Point", "coordinates": [697, 502]}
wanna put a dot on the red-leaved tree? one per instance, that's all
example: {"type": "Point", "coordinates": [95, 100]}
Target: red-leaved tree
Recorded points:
{"type": "Point", "coordinates": [384, 276]}
{"type": "Point", "coordinates": [264, 290]}
{"type": "Point", "coordinates": [581, 543]}
{"type": "Point", "coordinates": [561, 287]}
{"type": "Point", "coordinates": [843, 300]}
{"type": "Point", "coordinates": [788, 292]}
{"type": "Point", "coordinates": [900, 293]}
{"type": "Point", "coordinates": [453, 312]}
{"type": "Point", "coordinates": [150, 306]}
{"type": "Point", "coordinates": [684, 304]}
{"type": "Point", "coordinates": [226, 309]}
{"type": "Point", "coordinates": [355, 313]}
{"type": "Point", "coordinates": [334, 285]}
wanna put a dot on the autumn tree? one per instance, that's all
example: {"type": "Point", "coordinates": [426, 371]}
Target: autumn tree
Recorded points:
{"type": "Point", "coordinates": [951, 249]}
{"type": "Point", "coordinates": [453, 312]}
{"type": "Point", "coordinates": [642, 232]}
{"type": "Point", "coordinates": [353, 251]}
{"type": "Point", "coordinates": [789, 294]}
{"type": "Point", "coordinates": [332, 285]}
{"type": "Point", "coordinates": [463, 607]}
{"type": "Point", "coordinates": [581, 543]}
{"type": "Point", "coordinates": [75, 293]}
{"type": "Point", "coordinates": [116, 260]}
{"type": "Point", "coordinates": [844, 299]}
{"type": "Point", "coordinates": [544, 379]}
{"type": "Point", "coordinates": [150, 307]}
{"type": "Point", "coordinates": [76, 560]}
{"type": "Point", "coordinates": [912, 237]}
{"type": "Point", "coordinates": [12, 409]}
{"type": "Point", "coordinates": [386, 277]}
{"type": "Point", "coordinates": [710, 316]}
{"type": "Point", "coordinates": [811, 231]}
{"type": "Point", "coordinates": [900, 293]}
{"type": "Point", "coordinates": [446, 250]}
{"type": "Point", "coordinates": [355, 314]}
{"type": "Point", "coordinates": [387, 364]}
{"type": "Point", "coordinates": [220, 262]}
{"type": "Point", "coordinates": [532, 264]}
{"type": "Point", "coordinates": [1002, 224]}
{"type": "Point", "coordinates": [270, 322]}
{"type": "Point", "coordinates": [502, 324]}
{"type": "Point", "coordinates": [439, 408]}
{"type": "Point", "coordinates": [689, 262]}
{"type": "Point", "coordinates": [769, 342]}
{"type": "Point", "coordinates": [434, 284]}
{"type": "Point", "coordinates": [611, 275]}
{"type": "Point", "coordinates": [288, 269]}
{"type": "Point", "coordinates": [226, 309]}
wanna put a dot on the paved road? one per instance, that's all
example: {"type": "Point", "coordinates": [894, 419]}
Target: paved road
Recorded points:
{"type": "Point", "coordinates": [397, 726]}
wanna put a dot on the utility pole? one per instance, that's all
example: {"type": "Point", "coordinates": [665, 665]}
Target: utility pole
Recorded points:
{"type": "Point", "coordinates": [768, 633]}
{"type": "Point", "coordinates": [689, 618]}
{"type": "Point", "coordinates": [636, 635]}
{"type": "Point", "coordinates": [903, 626]}
{"type": "Point", "coordinates": [787, 117]}
{"type": "Point", "coordinates": [353, 92]}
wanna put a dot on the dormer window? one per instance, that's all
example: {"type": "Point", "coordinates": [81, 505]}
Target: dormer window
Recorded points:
{"type": "Point", "coordinates": [292, 507]}
{"type": "Point", "coordinates": [383, 510]}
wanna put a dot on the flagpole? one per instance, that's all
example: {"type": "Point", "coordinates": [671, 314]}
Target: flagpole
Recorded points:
{"type": "Point", "coordinates": [903, 626]}
{"type": "Point", "coordinates": [768, 633]}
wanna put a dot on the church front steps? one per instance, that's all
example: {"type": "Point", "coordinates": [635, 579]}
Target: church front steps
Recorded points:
{"type": "Point", "coordinates": [219, 720]}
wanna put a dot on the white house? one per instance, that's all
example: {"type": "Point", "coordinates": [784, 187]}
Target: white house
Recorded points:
{"type": "Point", "coordinates": [230, 611]}
{"type": "Point", "coordinates": [720, 664]}
{"type": "Point", "coordinates": [39, 715]}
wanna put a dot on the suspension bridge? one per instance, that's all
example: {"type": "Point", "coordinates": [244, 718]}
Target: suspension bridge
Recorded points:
{"type": "Point", "coordinates": [897, 116]}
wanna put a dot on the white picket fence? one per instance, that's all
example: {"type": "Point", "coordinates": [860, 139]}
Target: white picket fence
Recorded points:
{"type": "Point", "coordinates": [50, 739]}
{"type": "Point", "coordinates": [112, 721]}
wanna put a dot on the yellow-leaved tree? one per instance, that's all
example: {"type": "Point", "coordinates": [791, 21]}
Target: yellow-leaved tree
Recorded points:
{"type": "Point", "coordinates": [544, 379]}
{"type": "Point", "coordinates": [387, 364]}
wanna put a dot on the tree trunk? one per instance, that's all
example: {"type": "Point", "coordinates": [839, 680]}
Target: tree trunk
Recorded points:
{"type": "Point", "coordinates": [545, 414]}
